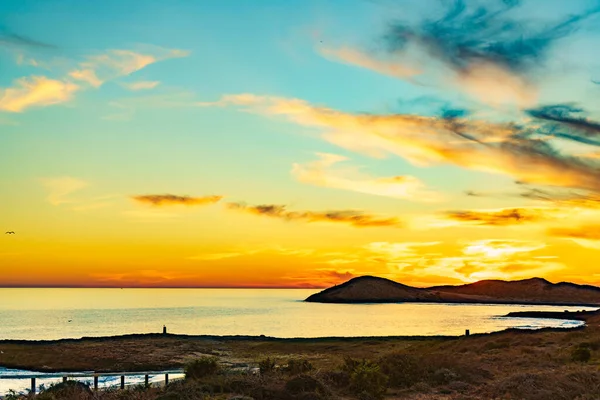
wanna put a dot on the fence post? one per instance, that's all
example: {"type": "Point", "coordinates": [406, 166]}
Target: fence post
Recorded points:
{"type": "Point", "coordinates": [95, 383]}
{"type": "Point", "coordinates": [146, 380]}
{"type": "Point", "coordinates": [64, 379]}
{"type": "Point", "coordinates": [122, 381]}
{"type": "Point", "coordinates": [33, 386]}
{"type": "Point", "coordinates": [166, 379]}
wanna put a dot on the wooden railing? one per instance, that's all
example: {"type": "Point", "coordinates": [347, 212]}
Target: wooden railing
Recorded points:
{"type": "Point", "coordinates": [95, 375]}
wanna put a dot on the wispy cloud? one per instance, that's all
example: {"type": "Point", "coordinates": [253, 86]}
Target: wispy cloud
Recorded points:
{"type": "Point", "coordinates": [386, 64]}
{"type": "Point", "coordinates": [502, 217]}
{"type": "Point", "coordinates": [354, 218]}
{"type": "Point", "coordinates": [496, 248]}
{"type": "Point", "coordinates": [565, 198]}
{"type": "Point", "coordinates": [323, 173]}
{"type": "Point", "coordinates": [36, 91]}
{"type": "Point", "coordinates": [398, 250]}
{"type": "Point", "coordinates": [504, 148]}
{"type": "Point", "coordinates": [61, 187]}
{"type": "Point", "coordinates": [140, 85]}
{"type": "Point", "coordinates": [113, 64]}
{"type": "Point", "coordinates": [567, 122]}
{"type": "Point", "coordinates": [586, 236]}
{"type": "Point", "coordinates": [13, 39]}
{"type": "Point", "coordinates": [481, 259]}
{"type": "Point", "coordinates": [490, 54]}
{"type": "Point", "coordinates": [171, 199]}
{"type": "Point", "coordinates": [94, 72]}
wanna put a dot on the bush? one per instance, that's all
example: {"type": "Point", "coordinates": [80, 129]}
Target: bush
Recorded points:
{"type": "Point", "coordinates": [298, 366]}
{"type": "Point", "coordinates": [201, 367]}
{"type": "Point", "coordinates": [339, 379]}
{"type": "Point", "coordinates": [403, 370]}
{"type": "Point", "coordinates": [368, 381]}
{"type": "Point", "coordinates": [581, 354]}
{"type": "Point", "coordinates": [304, 384]}
{"type": "Point", "coordinates": [266, 365]}
{"type": "Point", "coordinates": [350, 364]}
{"type": "Point", "coordinates": [66, 390]}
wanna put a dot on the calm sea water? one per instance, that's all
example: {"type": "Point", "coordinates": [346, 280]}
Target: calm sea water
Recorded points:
{"type": "Point", "coordinates": [72, 313]}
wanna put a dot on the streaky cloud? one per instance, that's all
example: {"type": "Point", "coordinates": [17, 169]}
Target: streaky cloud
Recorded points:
{"type": "Point", "coordinates": [468, 36]}
{"type": "Point", "coordinates": [323, 173]}
{"type": "Point", "coordinates": [496, 147]}
{"type": "Point", "coordinates": [94, 72]}
{"type": "Point", "coordinates": [354, 218]}
{"type": "Point", "coordinates": [382, 65]}
{"type": "Point", "coordinates": [588, 232]}
{"type": "Point", "coordinates": [9, 38]}
{"type": "Point", "coordinates": [491, 54]}
{"type": "Point", "coordinates": [565, 198]}
{"type": "Point", "coordinates": [171, 199]}
{"type": "Point", "coordinates": [510, 216]}
{"type": "Point", "coordinates": [565, 121]}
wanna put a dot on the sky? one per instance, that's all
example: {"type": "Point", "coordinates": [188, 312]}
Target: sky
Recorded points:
{"type": "Point", "coordinates": [298, 144]}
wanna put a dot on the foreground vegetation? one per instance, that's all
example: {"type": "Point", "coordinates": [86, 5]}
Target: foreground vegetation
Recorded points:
{"type": "Point", "coordinates": [548, 364]}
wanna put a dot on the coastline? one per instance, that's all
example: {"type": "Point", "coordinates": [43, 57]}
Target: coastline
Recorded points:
{"type": "Point", "coordinates": [134, 352]}
{"type": "Point", "coordinates": [523, 363]}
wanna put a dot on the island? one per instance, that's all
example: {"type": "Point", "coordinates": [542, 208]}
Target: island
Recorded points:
{"type": "Point", "coordinates": [534, 291]}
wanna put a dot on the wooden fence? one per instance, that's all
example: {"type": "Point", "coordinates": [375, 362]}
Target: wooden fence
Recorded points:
{"type": "Point", "coordinates": [95, 375]}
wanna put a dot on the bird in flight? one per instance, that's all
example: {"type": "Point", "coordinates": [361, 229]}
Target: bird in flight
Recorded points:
{"type": "Point", "coordinates": [10, 233]}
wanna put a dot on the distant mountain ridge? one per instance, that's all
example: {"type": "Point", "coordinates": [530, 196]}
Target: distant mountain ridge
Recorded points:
{"type": "Point", "coordinates": [372, 289]}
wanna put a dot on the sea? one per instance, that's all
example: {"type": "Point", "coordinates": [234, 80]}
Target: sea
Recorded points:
{"type": "Point", "coordinates": [46, 314]}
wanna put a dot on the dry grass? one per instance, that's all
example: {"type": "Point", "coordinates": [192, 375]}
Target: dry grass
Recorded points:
{"type": "Point", "coordinates": [505, 365]}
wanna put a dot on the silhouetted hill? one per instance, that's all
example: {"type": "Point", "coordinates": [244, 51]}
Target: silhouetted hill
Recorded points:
{"type": "Point", "coordinates": [534, 290]}
{"type": "Point", "coordinates": [370, 289]}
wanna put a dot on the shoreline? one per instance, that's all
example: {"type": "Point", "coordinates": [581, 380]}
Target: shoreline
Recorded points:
{"type": "Point", "coordinates": [30, 347]}
{"type": "Point", "coordinates": [484, 365]}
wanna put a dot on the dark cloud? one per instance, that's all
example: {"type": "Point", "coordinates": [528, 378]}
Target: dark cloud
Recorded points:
{"type": "Point", "coordinates": [512, 216]}
{"type": "Point", "coordinates": [9, 38]}
{"type": "Point", "coordinates": [350, 217]}
{"type": "Point", "coordinates": [467, 35]}
{"type": "Point", "coordinates": [472, 193]}
{"type": "Point", "coordinates": [566, 121]}
{"type": "Point", "coordinates": [171, 199]}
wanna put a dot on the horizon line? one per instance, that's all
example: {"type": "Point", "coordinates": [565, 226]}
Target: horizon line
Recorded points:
{"type": "Point", "coordinates": [152, 287]}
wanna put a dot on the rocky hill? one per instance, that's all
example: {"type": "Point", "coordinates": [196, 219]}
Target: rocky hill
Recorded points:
{"type": "Point", "coordinates": [370, 289]}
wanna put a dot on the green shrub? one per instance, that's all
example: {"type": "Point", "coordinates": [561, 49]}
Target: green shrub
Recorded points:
{"type": "Point", "coordinates": [298, 366]}
{"type": "Point", "coordinates": [266, 365]}
{"type": "Point", "coordinates": [201, 367]}
{"type": "Point", "coordinates": [581, 354]}
{"type": "Point", "coordinates": [368, 381]}
{"type": "Point", "coordinates": [350, 364]}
